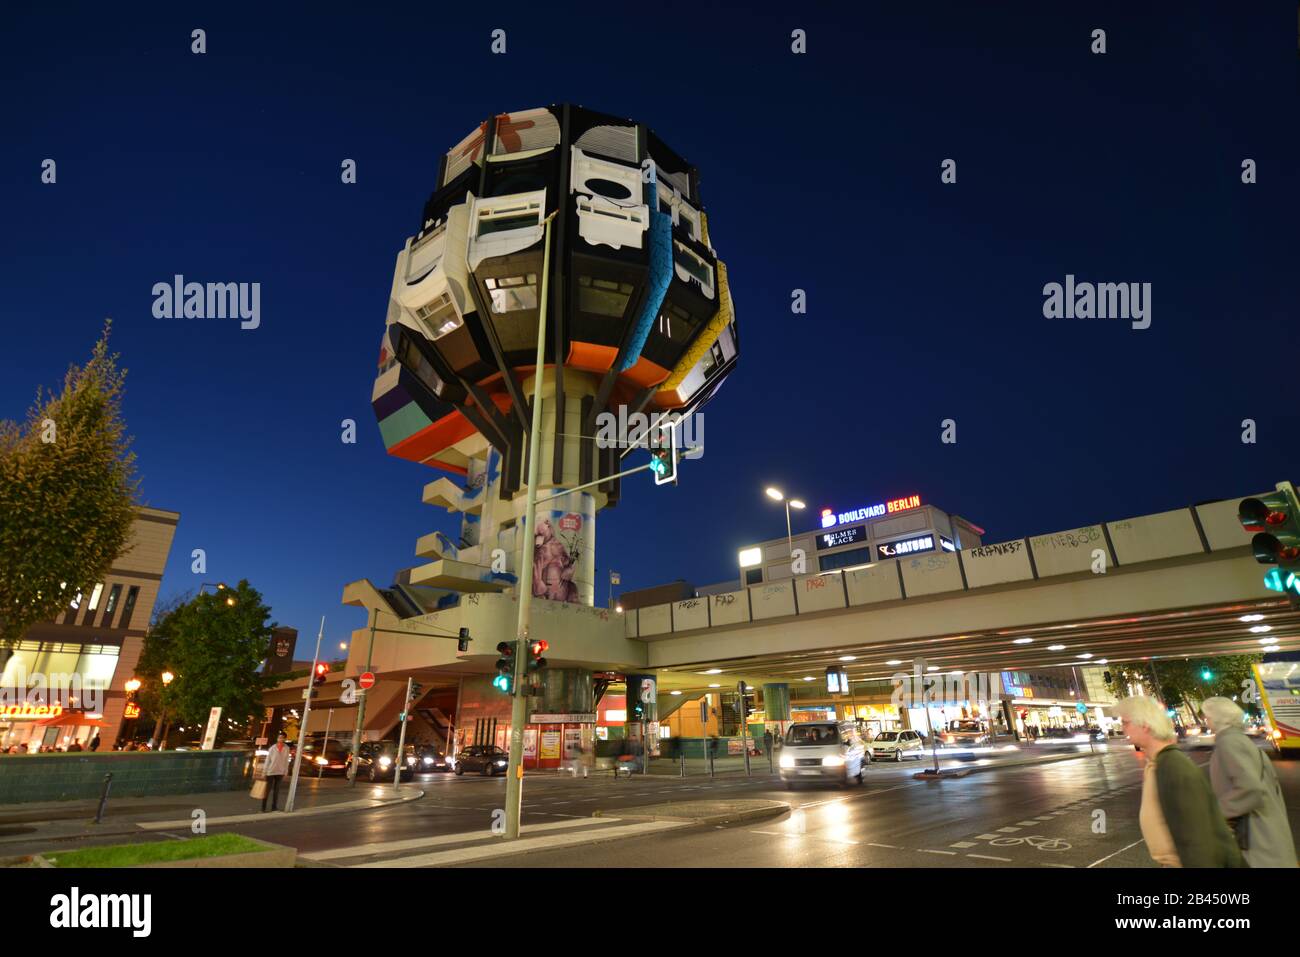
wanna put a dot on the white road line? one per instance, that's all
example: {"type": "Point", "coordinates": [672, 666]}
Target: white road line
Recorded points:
{"type": "Point", "coordinates": [892, 847]}
{"type": "Point", "coordinates": [1008, 830]}
{"type": "Point", "coordinates": [1025, 823]}
{"type": "Point", "coordinates": [1120, 851]}
{"type": "Point", "coordinates": [988, 857]}
{"type": "Point", "coordinates": [505, 848]}
{"type": "Point", "coordinates": [928, 851]}
{"type": "Point", "coordinates": [985, 837]}
{"type": "Point", "coordinates": [389, 847]}
{"type": "Point", "coordinates": [1058, 865]}
{"type": "Point", "coordinates": [963, 844]}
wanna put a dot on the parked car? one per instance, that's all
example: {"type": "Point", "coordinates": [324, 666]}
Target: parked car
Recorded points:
{"type": "Point", "coordinates": [895, 745]}
{"type": "Point", "coordinates": [483, 758]}
{"type": "Point", "coordinates": [821, 751]}
{"type": "Point", "coordinates": [428, 758]}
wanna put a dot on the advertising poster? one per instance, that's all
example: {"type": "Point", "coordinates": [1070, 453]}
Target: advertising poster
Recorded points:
{"type": "Point", "coordinates": [572, 743]}
{"type": "Point", "coordinates": [550, 745]}
{"type": "Point", "coordinates": [530, 743]}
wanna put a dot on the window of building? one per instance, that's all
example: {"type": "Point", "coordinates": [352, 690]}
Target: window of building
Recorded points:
{"type": "Point", "coordinates": [854, 556]}
{"type": "Point", "coordinates": [94, 596]}
{"type": "Point", "coordinates": [512, 293]}
{"type": "Point", "coordinates": [110, 606]}
{"type": "Point", "coordinates": [129, 608]}
{"type": "Point", "coordinates": [439, 317]}
{"type": "Point", "coordinates": [754, 576]}
{"type": "Point", "coordinates": [603, 297]}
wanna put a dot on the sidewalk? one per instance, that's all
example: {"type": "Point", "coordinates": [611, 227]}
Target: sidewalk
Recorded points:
{"type": "Point", "coordinates": [24, 823]}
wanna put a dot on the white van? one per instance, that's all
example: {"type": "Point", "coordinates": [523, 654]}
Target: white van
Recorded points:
{"type": "Point", "coordinates": [822, 751]}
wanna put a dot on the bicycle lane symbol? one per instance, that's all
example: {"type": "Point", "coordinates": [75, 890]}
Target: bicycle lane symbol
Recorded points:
{"type": "Point", "coordinates": [1035, 841]}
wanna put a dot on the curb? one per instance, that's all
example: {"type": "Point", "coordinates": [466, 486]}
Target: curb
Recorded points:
{"type": "Point", "coordinates": [775, 809]}
{"type": "Point", "coordinates": [257, 816]}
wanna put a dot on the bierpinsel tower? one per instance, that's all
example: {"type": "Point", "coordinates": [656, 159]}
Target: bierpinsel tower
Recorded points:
{"type": "Point", "coordinates": [637, 318]}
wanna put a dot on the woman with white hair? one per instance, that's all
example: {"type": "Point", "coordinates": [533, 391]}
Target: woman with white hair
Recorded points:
{"type": "Point", "coordinates": [1180, 817]}
{"type": "Point", "coordinates": [1248, 789]}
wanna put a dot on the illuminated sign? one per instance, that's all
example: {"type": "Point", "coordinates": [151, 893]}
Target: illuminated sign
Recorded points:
{"type": "Point", "coordinates": [830, 518]}
{"type": "Point", "coordinates": [132, 710]}
{"type": "Point", "coordinates": [844, 536]}
{"type": "Point", "coordinates": [23, 712]}
{"type": "Point", "coordinates": [837, 681]}
{"type": "Point", "coordinates": [906, 546]}
{"type": "Point", "coordinates": [946, 544]}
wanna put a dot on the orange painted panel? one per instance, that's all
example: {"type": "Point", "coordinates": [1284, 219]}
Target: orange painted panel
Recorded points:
{"type": "Point", "coordinates": [590, 357]}
{"type": "Point", "coordinates": [645, 373]}
{"type": "Point", "coordinates": [434, 437]}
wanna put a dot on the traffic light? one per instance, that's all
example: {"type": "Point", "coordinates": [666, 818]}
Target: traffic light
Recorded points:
{"type": "Point", "coordinates": [535, 665]}
{"type": "Point", "coordinates": [1206, 674]}
{"type": "Point", "coordinates": [663, 461]}
{"type": "Point", "coordinates": [1106, 677]}
{"type": "Point", "coordinates": [322, 672]}
{"type": "Point", "coordinates": [1275, 520]}
{"type": "Point", "coordinates": [505, 679]}
{"type": "Point", "coordinates": [463, 644]}
{"type": "Point", "coordinates": [416, 690]}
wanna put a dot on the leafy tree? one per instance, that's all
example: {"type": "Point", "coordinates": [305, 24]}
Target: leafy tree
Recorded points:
{"type": "Point", "coordinates": [213, 643]}
{"type": "Point", "coordinates": [67, 490]}
{"type": "Point", "coordinates": [1181, 680]}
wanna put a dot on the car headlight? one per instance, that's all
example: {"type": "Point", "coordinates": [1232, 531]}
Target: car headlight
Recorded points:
{"type": "Point", "coordinates": [500, 762]}
{"type": "Point", "coordinates": [428, 760]}
{"type": "Point", "coordinates": [322, 760]}
{"type": "Point", "coordinates": [787, 760]}
{"type": "Point", "coordinates": [833, 761]}
{"type": "Point", "coordinates": [410, 760]}
{"type": "Point", "coordinates": [385, 760]}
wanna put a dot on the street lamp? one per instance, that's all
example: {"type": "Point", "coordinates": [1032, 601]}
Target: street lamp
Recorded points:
{"type": "Point", "coordinates": [167, 678]}
{"type": "Point", "coordinates": [778, 496]}
{"type": "Point", "coordinates": [132, 685]}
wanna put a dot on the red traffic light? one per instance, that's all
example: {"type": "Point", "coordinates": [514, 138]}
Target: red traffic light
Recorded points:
{"type": "Point", "coordinates": [505, 648]}
{"type": "Point", "coordinates": [322, 671]}
{"type": "Point", "coordinates": [538, 648]}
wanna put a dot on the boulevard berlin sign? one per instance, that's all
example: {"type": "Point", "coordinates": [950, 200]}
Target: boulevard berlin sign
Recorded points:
{"type": "Point", "coordinates": [831, 519]}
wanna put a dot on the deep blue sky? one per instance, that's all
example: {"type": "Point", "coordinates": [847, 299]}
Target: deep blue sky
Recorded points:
{"type": "Point", "coordinates": [818, 172]}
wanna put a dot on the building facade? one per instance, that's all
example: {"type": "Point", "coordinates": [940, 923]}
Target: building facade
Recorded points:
{"type": "Point", "coordinates": [89, 650]}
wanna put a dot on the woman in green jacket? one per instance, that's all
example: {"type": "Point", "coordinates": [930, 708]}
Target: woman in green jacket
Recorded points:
{"type": "Point", "coordinates": [1180, 817]}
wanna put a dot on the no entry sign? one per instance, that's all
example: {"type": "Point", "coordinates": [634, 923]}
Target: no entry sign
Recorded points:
{"type": "Point", "coordinates": [367, 681]}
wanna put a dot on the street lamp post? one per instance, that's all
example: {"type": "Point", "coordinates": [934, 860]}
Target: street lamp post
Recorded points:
{"type": "Point", "coordinates": [166, 677]}
{"type": "Point", "coordinates": [778, 496]}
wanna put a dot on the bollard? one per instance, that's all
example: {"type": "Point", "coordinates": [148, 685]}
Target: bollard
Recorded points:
{"type": "Point", "coordinates": [103, 798]}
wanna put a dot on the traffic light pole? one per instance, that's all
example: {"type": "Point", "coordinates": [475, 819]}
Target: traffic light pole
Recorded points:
{"type": "Point", "coordinates": [361, 704]}
{"type": "Point", "coordinates": [401, 738]}
{"type": "Point", "coordinates": [519, 702]}
{"type": "Point", "coordinates": [306, 713]}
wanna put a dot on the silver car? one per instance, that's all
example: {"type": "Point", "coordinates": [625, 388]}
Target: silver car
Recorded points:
{"type": "Point", "coordinates": [823, 752]}
{"type": "Point", "coordinates": [895, 745]}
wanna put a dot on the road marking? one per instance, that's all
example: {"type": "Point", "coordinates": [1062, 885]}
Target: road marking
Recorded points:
{"type": "Point", "coordinates": [989, 857]}
{"type": "Point", "coordinates": [506, 848]}
{"type": "Point", "coordinates": [963, 844]}
{"type": "Point", "coordinates": [1008, 830]}
{"type": "Point", "coordinates": [1025, 823]}
{"type": "Point", "coordinates": [388, 847]}
{"type": "Point", "coordinates": [1045, 817]}
{"type": "Point", "coordinates": [1120, 851]}
{"type": "Point", "coordinates": [892, 847]}
{"type": "Point", "coordinates": [985, 837]}
{"type": "Point", "coordinates": [927, 851]}
{"type": "Point", "coordinates": [1058, 865]}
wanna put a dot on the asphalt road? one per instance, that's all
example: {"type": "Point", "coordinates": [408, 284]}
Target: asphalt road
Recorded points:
{"type": "Point", "coordinates": [1074, 813]}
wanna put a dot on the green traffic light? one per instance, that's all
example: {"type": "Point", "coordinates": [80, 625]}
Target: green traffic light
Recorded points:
{"type": "Point", "coordinates": [501, 683]}
{"type": "Point", "coordinates": [1205, 674]}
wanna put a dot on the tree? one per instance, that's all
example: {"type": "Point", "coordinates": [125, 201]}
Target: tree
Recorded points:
{"type": "Point", "coordinates": [213, 644]}
{"type": "Point", "coordinates": [67, 494]}
{"type": "Point", "coordinates": [1182, 681]}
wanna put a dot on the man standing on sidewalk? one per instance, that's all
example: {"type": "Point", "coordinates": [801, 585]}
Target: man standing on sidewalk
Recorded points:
{"type": "Point", "coordinates": [277, 766]}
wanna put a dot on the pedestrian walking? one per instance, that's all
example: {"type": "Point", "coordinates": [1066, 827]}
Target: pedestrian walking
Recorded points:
{"type": "Point", "coordinates": [1247, 788]}
{"type": "Point", "coordinates": [1179, 817]}
{"type": "Point", "coordinates": [767, 743]}
{"type": "Point", "coordinates": [277, 766]}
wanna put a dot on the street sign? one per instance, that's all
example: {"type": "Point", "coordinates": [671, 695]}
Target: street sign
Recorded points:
{"type": "Point", "coordinates": [367, 681]}
{"type": "Point", "coordinates": [704, 712]}
{"type": "Point", "coordinates": [1080, 707]}
{"type": "Point", "coordinates": [210, 732]}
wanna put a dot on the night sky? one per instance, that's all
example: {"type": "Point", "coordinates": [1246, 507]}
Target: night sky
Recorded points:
{"type": "Point", "coordinates": [819, 172]}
